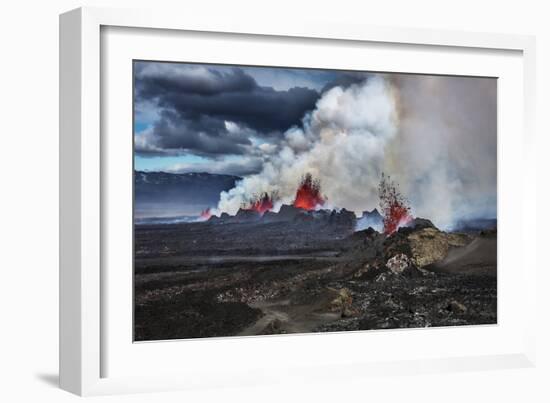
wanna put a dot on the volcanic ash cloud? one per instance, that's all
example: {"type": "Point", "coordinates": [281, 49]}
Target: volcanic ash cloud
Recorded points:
{"type": "Point", "coordinates": [444, 155]}
{"type": "Point", "coordinates": [435, 136]}
{"type": "Point", "coordinates": [342, 143]}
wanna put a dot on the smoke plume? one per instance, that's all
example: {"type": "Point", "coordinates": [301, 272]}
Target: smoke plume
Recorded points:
{"type": "Point", "coordinates": [445, 156]}
{"type": "Point", "coordinates": [435, 136]}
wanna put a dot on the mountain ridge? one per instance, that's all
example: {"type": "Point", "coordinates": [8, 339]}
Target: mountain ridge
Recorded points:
{"type": "Point", "coordinates": [159, 193]}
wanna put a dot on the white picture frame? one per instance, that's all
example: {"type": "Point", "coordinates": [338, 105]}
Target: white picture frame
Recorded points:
{"type": "Point", "coordinates": [85, 343]}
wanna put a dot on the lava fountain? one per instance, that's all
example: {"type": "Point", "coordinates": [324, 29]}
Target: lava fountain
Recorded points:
{"type": "Point", "coordinates": [205, 214]}
{"type": "Point", "coordinates": [308, 195]}
{"type": "Point", "coordinates": [261, 204]}
{"type": "Point", "coordinates": [395, 209]}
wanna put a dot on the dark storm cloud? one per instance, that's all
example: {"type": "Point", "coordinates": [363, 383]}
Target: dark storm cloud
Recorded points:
{"type": "Point", "coordinates": [197, 102]}
{"type": "Point", "coordinates": [171, 81]}
{"type": "Point", "coordinates": [172, 134]}
{"type": "Point", "coordinates": [263, 109]}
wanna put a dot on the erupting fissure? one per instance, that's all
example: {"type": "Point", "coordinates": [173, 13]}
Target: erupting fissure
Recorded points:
{"type": "Point", "coordinates": [308, 195]}
{"type": "Point", "coordinates": [261, 204]}
{"type": "Point", "coordinates": [206, 214]}
{"type": "Point", "coordinates": [395, 209]}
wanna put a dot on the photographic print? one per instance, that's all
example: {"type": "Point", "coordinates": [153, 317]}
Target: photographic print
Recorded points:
{"type": "Point", "coordinates": [274, 200]}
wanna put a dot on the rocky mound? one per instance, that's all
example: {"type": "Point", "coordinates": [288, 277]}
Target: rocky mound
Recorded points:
{"type": "Point", "coordinates": [423, 243]}
{"type": "Point", "coordinates": [290, 214]}
{"type": "Point", "coordinates": [398, 267]}
{"type": "Point", "coordinates": [286, 213]}
{"type": "Point", "coordinates": [247, 215]}
{"type": "Point", "coordinates": [429, 245]}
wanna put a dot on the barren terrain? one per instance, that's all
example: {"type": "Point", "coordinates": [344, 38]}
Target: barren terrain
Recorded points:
{"type": "Point", "coordinates": [307, 273]}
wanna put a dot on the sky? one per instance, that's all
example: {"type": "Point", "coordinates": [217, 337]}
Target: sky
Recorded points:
{"type": "Point", "coordinates": [219, 119]}
{"type": "Point", "coordinates": [436, 136]}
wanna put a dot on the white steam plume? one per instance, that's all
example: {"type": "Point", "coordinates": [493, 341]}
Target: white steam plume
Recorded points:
{"type": "Point", "coordinates": [444, 157]}
{"type": "Point", "coordinates": [342, 144]}
{"type": "Point", "coordinates": [435, 136]}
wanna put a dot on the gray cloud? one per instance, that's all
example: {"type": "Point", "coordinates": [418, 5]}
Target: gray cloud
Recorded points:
{"type": "Point", "coordinates": [195, 105]}
{"type": "Point", "coordinates": [435, 136]}
{"type": "Point", "coordinates": [206, 136]}
{"type": "Point", "coordinates": [158, 79]}
{"type": "Point", "coordinates": [445, 155]}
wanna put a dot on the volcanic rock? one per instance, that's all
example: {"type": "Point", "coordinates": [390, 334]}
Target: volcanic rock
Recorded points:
{"type": "Point", "coordinates": [247, 215]}
{"type": "Point", "coordinates": [273, 327]}
{"type": "Point", "coordinates": [270, 216]}
{"type": "Point", "coordinates": [367, 272]}
{"type": "Point", "coordinates": [343, 217]}
{"type": "Point", "coordinates": [385, 276]}
{"type": "Point", "coordinates": [429, 245]}
{"type": "Point", "coordinates": [321, 214]}
{"type": "Point", "coordinates": [368, 234]}
{"type": "Point", "coordinates": [456, 307]}
{"type": "Point", "coordinates": [304, 216]}
{"type": "Point", "coordinates": [287, 213]}
{"type": "Point", "coordinates": [342, 303]}
{"type": "Point", "coordinates": [415, 225]}
{"type": "Point", "coordinates": [403, 266]}
{"type": "Point", "coordinates": [398, 263]}
{"type": "Point", "coordinates": [423, 243]}
{"type": "Point", "coordinates": [223, 218]}
{"type": "Point", "coordinates": [420, 223]}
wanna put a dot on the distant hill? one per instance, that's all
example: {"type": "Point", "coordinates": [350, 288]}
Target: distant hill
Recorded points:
{"type": "Point", "coordinates": [163, 194]}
